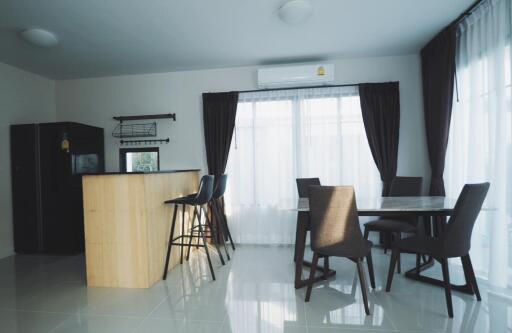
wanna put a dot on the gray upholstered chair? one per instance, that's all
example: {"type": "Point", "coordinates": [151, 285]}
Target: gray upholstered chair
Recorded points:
{"type": "Point", "coordinates": [395, 226]}
{"type": "Point", "coordinates": [454, 241]}
{"type": "Point", "coordinates": [335, 231]}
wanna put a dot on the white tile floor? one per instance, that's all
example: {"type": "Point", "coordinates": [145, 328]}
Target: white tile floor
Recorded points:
{"type": "Point", "coordinates": [253, 293]}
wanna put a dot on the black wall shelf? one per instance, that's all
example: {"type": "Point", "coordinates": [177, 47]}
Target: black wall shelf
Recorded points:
{"type": "Point", "coordinates": [148, 116]}
{"type": "Point", "coordinates": [144, 142]}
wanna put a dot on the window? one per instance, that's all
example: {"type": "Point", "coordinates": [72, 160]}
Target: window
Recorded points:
{"type": "Point", "coordinates": [283, 135]}
{"type": "Point", "coordinates": [139, 159]}
{"type": "Point", "coordinates": [480, 141]}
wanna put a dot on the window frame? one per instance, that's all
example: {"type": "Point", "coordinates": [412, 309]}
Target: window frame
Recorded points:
{"type": "Point", "coordinates": [124, 151]}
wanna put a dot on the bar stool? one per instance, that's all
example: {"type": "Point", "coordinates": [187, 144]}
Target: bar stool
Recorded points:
{"type": "Point", "coordinates": [203, 196]}
{"type": "Point", "coordinates": [218, 207]}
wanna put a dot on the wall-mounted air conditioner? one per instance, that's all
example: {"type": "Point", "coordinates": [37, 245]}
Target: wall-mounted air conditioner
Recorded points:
{"type": "Point", "coordinates": [296, 76]}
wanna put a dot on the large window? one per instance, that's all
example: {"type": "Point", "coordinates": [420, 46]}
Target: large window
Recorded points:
{"type": "Point", "coordinates": [139, 159]}
{"type": "Point", "coordinates": [282, 135]}
{"type": "Point", "coordinates": [480, 143]}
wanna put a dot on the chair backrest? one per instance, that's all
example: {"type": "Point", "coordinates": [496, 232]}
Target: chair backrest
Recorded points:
{"type": "Point", "coordinates": [334, 221]}
{"type": "Point", "coordinates": [204, 194]}
{"type": "Point", "coordinates": [220, 186]}
{"type": "Point", "coordinates": [303, 185]}
{"type": "Point", "coordinates": [406, 187]}
{"type": "Point", "coordinates": [456, 236]}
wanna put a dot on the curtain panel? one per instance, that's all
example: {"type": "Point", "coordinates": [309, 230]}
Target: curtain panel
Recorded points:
{"type": "Point", "coordinates": [380, 106]}
{"type": "Point", "coordinates": [219, 114]}
{"type": "Point", "coordinates": [438, 71]}
{"type": "Point", "coordinates": [480, 143]}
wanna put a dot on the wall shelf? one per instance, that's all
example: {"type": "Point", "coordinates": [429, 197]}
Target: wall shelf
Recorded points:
{"type": "Point", "coordinates": [144, 142]}
{"type": "Point", "coordinates": [139, 130]}
{"type": "Point", "coordinates": [146, 117]}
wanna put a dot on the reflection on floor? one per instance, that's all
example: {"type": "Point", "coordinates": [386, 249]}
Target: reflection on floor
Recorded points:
{"type": "Point", "coordinates": [253, 293]}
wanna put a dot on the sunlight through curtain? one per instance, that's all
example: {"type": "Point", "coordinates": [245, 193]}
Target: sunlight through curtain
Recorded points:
{"type": "Point", "coordinates": [480, 143]}
{"type": "Point", "coordinates": [286, 134]}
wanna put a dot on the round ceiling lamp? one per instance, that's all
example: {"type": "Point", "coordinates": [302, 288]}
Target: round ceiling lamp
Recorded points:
{"type": "Point", "coordinates": [295, 11]}
{"type": "Point", "coordinates": [40, 37]}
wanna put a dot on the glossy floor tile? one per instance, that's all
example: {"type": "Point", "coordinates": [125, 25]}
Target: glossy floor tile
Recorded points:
{"type": "Point", "coordinates": [253, 293]}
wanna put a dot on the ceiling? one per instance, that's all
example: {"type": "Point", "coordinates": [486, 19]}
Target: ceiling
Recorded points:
{"type": "Point", "coordinates": [115, 37]}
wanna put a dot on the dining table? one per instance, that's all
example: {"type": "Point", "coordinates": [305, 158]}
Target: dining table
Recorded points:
{"type": "Point", "coordinates": [432, 209]}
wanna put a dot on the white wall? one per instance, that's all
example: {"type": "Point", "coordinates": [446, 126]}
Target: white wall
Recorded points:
{"type": "Point", "coordinates": [94, 101]}
{"type": "Point", "coordinates": [24, 98]}
{"type": "Point", "coordinates": [28, 98]}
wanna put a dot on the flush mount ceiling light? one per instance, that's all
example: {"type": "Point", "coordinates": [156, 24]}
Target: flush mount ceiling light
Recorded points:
{"type": "Point", "coordinates": [295, 11]}
{"type": "Point", "coordinates": [40, 37]}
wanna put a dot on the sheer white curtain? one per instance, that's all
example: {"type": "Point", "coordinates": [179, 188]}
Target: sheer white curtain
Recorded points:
{"type": "Point", "coordinates": [286, 134]}
{"type": "Point", "coordinates": [480, 143]}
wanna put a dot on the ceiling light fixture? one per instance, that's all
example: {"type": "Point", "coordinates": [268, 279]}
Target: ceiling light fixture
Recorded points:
{"type": "Point", "coordinates": [40, 37]}
{"type": "Point", "coordinates": [295, 11]}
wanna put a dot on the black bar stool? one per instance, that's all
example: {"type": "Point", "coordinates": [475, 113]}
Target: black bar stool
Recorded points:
{"type": "Point", "coordinates": [218, 207]}
{"type": "Point", "coordinates": [202, 197]}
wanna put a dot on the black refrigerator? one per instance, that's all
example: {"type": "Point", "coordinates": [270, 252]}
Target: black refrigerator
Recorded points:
{"type": "Point", "coordinates": [47, 164]}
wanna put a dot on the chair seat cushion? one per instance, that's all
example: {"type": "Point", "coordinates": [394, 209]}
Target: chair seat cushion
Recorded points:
{"type": "Point", "coordinates": [421, 245]}
{"type": "Point", "coordinates": [346, 250]}
{"type": "Point", "coordinates": [390, 225]}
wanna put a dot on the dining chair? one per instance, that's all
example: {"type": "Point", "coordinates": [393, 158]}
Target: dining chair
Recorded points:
{"type": "Point", "coordinates": [454, 241]}
{"type": "Point", "coordinates": [395, 226]}
{"type": "Point", "coordinates": [335, 231]}
{"type": "Point", "coordinates": [303, 185]}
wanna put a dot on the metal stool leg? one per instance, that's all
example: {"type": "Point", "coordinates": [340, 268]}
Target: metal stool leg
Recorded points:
{"type": "Point", "coordinates": [171, 236]}
{"type": "Point", "coordinates": [191, 233]}
{"type": "Point", "coordinates": [199, 222]}
{"type": "Point", "coordinates": [182, 230]}
{"type": "Point", "coordinates": [201, 234]}
{"type": "Point", "coordinates": [213, 232]}
{"type": "Point", "coordinates": [225, 223]}
{"type": "Point", "coordinates": [219, 232]}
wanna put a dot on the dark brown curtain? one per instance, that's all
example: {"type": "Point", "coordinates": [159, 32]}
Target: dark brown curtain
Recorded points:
{"type": "Point", "coordinates": [380, 104]}
{"type": "Point", "coordinates": [219, 112]}
{"type": "Point", "coordinates": [438, 70]}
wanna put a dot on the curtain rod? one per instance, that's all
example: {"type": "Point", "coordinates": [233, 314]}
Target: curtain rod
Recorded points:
{"type": "Point", "coordinates": [304, 87]}
{"type": "Point", "coordinates": [467, 12]}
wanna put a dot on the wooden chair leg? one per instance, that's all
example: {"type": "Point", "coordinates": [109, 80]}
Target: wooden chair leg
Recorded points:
{"type": "Point", "coordinates": [369, 262]}
{"type": "Point", "coordinates": [398, 264]}
{"type": "Point", "coordinates": [470, 275]}
{"type": "Point", "coordinates": [392, 263]}
{"type": "Point", "coordinates": [297, 231]}
{"type": "Point", "coordinates": [447, 286]}
{"type": "Point", "coordinates": [326, 267]}
{"type": "Point", "coordinates": [362, 281]}
{"type": "Point", "coordinates": [418, 256]}
{"type": "Point", "coordinates": [366, 233]}
{"type": "Point", "coordinates": [301, 247]}
{"type": "Point", "coordinates": [312, 272]}
{"type": "Point", "coordinates": [171, 237]}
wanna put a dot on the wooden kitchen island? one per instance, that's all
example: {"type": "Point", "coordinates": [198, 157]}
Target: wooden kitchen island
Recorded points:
{"type": "Point", "coordinates": [127, 225]}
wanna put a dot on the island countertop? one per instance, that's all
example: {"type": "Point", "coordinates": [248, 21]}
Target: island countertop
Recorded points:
{"type": "Point", "coordinates": [138, 172]}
